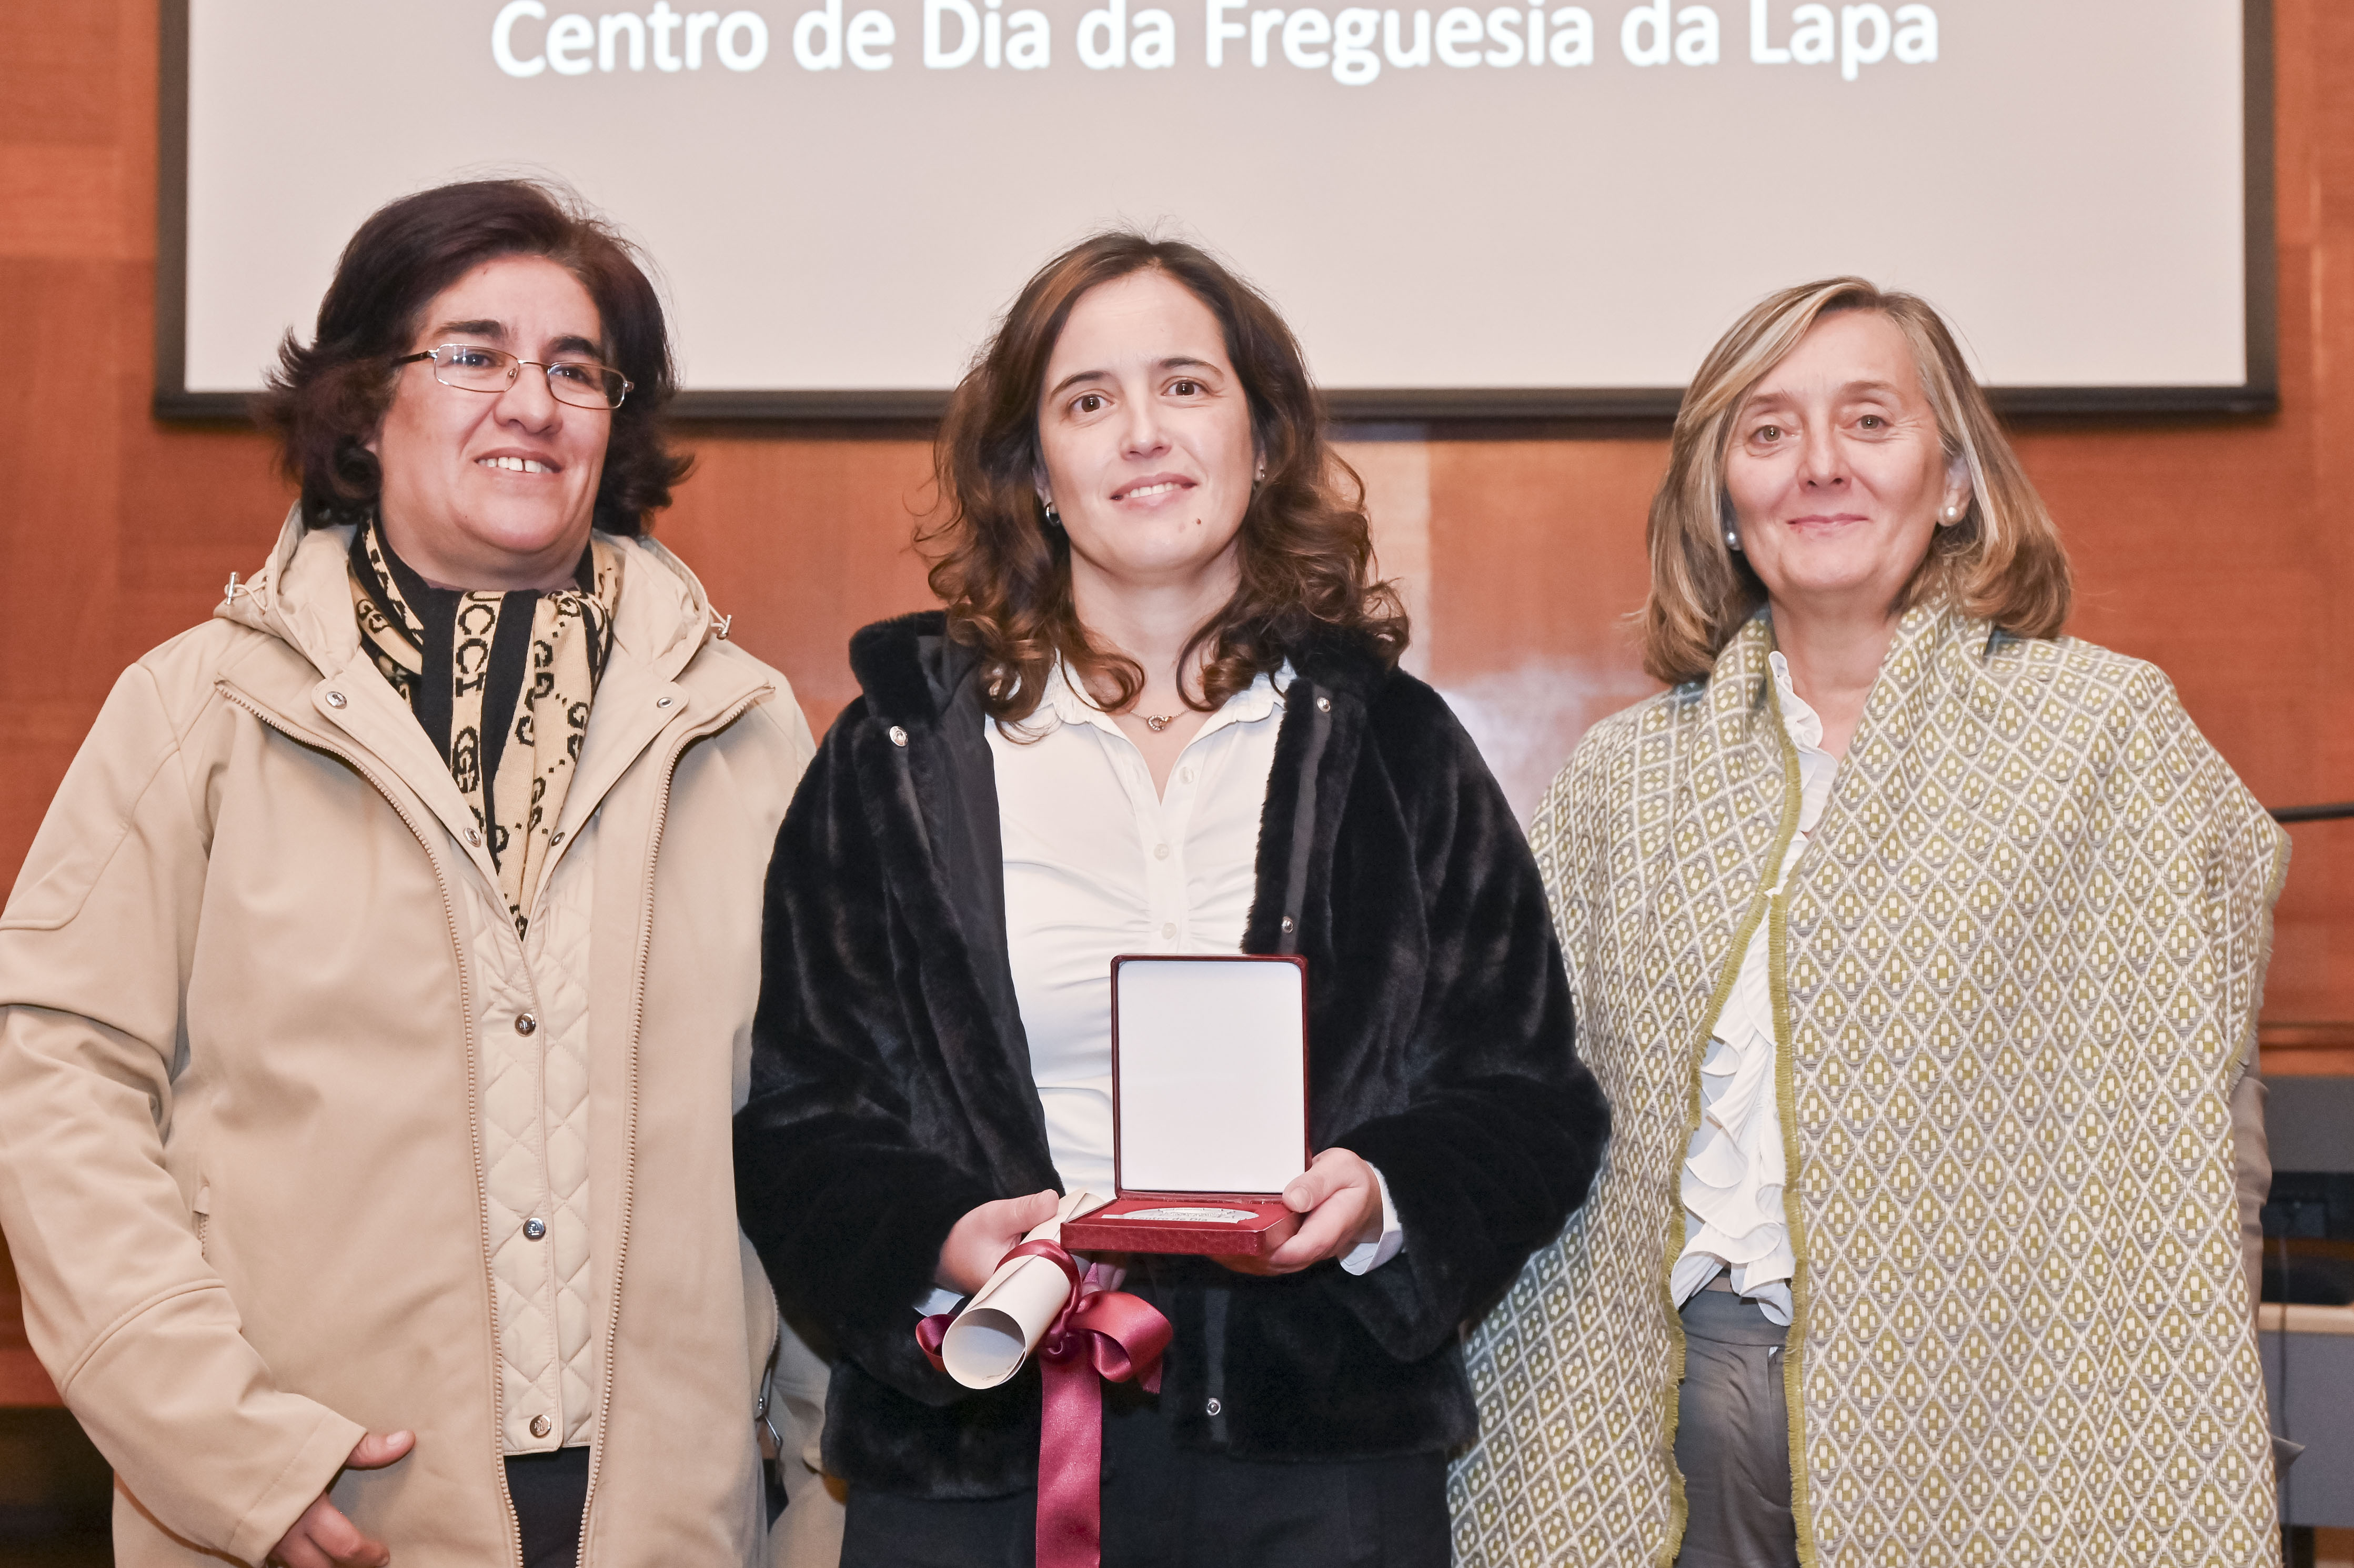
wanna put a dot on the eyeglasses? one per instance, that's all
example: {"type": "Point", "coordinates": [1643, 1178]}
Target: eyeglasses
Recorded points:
{"type": "Point", "coordinates": [470, 367]}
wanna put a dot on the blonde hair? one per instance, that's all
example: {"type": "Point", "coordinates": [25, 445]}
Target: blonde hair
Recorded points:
{"type": "Point", "coordinates": [2001, 562]}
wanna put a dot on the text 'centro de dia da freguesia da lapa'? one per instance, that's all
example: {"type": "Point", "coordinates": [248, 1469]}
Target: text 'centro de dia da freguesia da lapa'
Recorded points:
{"type": "Point", "coordinates": [1355, 44]}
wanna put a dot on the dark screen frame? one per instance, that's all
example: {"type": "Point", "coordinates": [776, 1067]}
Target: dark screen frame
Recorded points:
{"type": "Point", "coordinates": [1469, 409]}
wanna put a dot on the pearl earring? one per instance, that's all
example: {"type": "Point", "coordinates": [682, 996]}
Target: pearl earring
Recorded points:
{"type": "Point", "coordinates": [1053, 518]}
{"type": "Point", "coordinates": [1733, 541]}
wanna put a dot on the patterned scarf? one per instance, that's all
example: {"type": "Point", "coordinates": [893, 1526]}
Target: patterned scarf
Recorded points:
{"type": "Point", "coordinates": [502, 682]}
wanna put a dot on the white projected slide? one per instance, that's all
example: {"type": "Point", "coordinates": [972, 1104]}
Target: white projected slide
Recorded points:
{"type": "Point", "coordinates": [1525, 203]}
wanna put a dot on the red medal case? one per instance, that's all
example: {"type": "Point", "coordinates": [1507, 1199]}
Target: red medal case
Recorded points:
{"type": "Point", "coordinates": [1209, 1105]}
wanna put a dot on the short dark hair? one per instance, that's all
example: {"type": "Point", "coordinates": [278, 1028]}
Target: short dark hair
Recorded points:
{"type": "Point", "coordinates": [324, 401]}
{"type": "Point", "coordinates": [1307, 549]}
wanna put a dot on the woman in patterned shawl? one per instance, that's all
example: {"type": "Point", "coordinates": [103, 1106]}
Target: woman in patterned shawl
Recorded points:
{"type": "Point", "coordinates": [1919, 949]}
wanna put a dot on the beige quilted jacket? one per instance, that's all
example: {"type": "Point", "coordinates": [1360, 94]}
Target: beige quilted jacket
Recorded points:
{"type": "Point", "coordinates": [259, 1054]}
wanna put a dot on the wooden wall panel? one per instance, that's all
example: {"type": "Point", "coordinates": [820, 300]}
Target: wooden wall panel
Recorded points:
{"type": "Point", "coordinates": [2220, 549]}
{"type": "Point", "coordinates": [803, 543]}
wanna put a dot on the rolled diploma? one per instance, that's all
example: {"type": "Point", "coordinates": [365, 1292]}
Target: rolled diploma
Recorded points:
{"type": "Point", "coordinates": [1007, 1317]}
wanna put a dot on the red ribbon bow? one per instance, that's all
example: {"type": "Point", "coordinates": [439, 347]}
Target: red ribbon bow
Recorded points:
{"type": "Point", "coordinates": [1100, 1336]}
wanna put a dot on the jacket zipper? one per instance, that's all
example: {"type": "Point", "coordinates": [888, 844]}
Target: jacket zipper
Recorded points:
{"type": "Point", "coordinates": [629, 1140]}
{"type": "Point", "coordinates": [474, 1086]}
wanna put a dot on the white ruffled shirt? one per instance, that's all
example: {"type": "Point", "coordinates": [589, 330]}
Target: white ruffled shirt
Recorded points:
{"type": "Point", "coordinates": [1734, 1168]}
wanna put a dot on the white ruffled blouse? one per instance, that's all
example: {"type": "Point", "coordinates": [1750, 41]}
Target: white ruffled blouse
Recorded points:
{"type": "Point", "coordinates": [1734, 1170]}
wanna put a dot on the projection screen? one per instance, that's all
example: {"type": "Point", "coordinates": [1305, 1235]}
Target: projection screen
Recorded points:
{"type": "Point", "coordinates": [1523, 210]}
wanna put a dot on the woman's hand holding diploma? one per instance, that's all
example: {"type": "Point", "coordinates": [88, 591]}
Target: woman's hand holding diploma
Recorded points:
{"type": "Point", "coordinates": [1342, 1200]}
{"type": "Point", "coordinates": [1030, 1289]}
{"type": "Point", "coordinates": [978, 1242]}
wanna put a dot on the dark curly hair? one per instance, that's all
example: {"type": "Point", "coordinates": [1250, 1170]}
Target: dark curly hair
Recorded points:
{"type": "Point", "coordinates": [1306, 548]}
{"type": "Point", "coordinates": [324, 401]}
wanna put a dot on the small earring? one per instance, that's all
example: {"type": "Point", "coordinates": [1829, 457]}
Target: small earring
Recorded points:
{"type": "Point", "coordinates": [1733, 541]}
{"type": "Point", "coordinates": [1053, 518]}
{"type": "Point", "coordinates": [1953, 514]}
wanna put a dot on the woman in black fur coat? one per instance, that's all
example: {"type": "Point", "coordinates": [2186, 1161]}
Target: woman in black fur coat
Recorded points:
{"type": "Point", "coordinates": [1162, 712]}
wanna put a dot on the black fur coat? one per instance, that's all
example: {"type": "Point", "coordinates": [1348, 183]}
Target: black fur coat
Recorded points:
{"type": "Point", "coordinates": [891, 1086]}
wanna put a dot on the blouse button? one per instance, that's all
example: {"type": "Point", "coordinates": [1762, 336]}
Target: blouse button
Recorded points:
{"type": "Point", "coordinates": [1323, 705]}
{"type": "Point", "coordinates": [1212, 1407]}
{"type": "Point", "coordinates": [1169, 931]}
{"type": "Point", "coordinates": [898, 735]}
{"type": "Point", "coordinates": [1289, 924]}
{"type": "Point", "coordinates": [1161, 851]}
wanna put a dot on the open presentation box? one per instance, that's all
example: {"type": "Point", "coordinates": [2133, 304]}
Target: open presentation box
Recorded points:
{"type": "Point", "coordinates": [1209, 1093]}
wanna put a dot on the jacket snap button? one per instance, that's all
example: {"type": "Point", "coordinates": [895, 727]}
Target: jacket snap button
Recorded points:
{"type": "Point", "coordinates": [335, 699]}
{"type": "Point", "coordinates": [1214, 1407]}
{"type": "Point", "coordinates": [475, 835]}
{"type": "Point", "coordinates": [1289, 924]}
{"type": "Point", "coordinates": [898, 735]}
{"type": "Point", "coordinates": [555, 838]}
{"type": "Point", "coordinates": [525, 1024]}
{"type": "Point", "coordinates": [661, 702]}
{"type": "Point", "coordinates": [535, 1228]}
{"type": "Point", "coordinates": [539, 1426]}
{"type": "Point", "coordinates": [1323, 705]}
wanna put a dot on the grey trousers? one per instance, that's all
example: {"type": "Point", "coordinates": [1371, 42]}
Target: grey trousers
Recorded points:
{"type": "Point", "coordinates": [1732, 1438]}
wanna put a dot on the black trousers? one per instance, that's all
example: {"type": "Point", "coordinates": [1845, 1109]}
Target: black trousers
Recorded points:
{"type": "Point", "coordinates": [550, 1492]}
{"type": "Point", "coordinates": [1166, 1507]}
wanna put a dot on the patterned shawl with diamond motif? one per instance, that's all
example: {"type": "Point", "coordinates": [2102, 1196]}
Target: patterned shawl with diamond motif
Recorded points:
{"type": "Point", "coordinates": [2016, 976]}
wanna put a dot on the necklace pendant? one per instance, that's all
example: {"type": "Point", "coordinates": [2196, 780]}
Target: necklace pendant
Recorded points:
{"type": "Point", "coordinates": [1156, 723]}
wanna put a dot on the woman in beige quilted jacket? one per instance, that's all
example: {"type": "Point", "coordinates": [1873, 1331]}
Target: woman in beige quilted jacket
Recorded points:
{"type": "Point", "coordinates": [377, 993]}
{"type": "Point", "coordinates": [1919, 948]}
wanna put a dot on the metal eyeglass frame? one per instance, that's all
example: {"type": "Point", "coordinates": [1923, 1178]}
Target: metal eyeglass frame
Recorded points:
{"type": "Point", "coordinates": [514, 370]}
